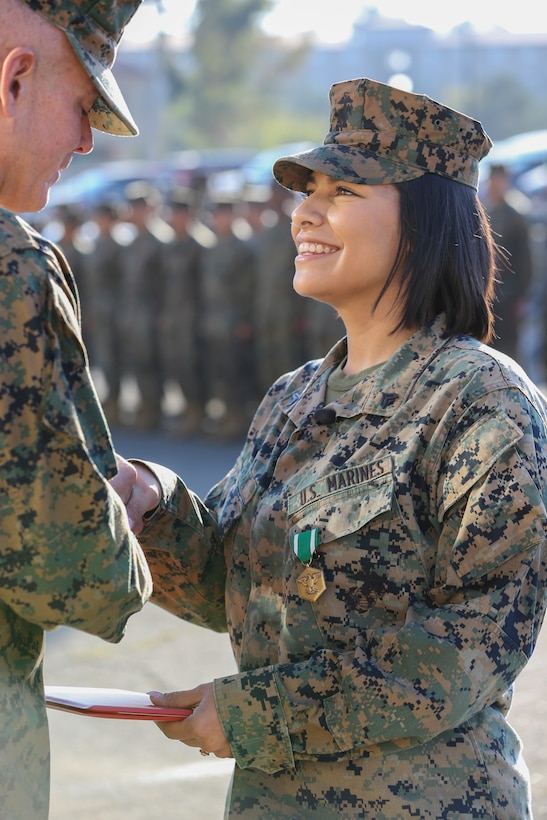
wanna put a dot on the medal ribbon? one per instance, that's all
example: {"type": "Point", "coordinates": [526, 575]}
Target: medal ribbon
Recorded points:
{"type": "Point", "coordinates": [304, 544]}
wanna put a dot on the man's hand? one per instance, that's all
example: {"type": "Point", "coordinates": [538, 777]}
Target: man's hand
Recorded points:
{"type": "Point", "coordinates": [138, 488]}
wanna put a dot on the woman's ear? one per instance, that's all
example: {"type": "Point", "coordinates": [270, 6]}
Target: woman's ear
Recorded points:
{"type": "Point", "coordinates": [16, 68]}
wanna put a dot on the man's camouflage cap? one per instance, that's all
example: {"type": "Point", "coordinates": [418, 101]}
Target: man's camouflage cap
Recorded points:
{"type": "Point", "coordinates": [381, 135]}
{"type": "Point", "coordinates": [94, 29]}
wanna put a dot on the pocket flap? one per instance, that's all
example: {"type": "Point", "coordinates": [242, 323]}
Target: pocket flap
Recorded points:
{"type": "Point", "coordinates": [344, 501]}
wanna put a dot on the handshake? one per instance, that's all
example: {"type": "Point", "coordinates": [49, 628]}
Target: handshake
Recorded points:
{"type": "Point", "coordinates": [138, 488]}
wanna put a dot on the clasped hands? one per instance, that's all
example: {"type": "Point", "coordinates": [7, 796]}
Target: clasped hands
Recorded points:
{"type": "Point", "coordinates": [140, 491]}
{"type": "Point", "coordinates": [138, 488]}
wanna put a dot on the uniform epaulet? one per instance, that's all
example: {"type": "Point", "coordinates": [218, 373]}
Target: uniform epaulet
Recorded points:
{"type": "Point", "coordinates": [16, 234]}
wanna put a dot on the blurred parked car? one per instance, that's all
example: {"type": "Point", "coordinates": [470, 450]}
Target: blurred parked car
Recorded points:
{"type": "Point", "coordinates": [255, 173]}
{"type": "Point", "coordinates": [192, 169]}
{"type": "Point", "coordinates": [520, 154]}
{"type": "Point", "coordinates": [102, 183]}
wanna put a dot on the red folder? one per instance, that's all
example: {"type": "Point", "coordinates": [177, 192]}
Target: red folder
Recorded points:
{"type": "Point", "coordinates": [109, 703]}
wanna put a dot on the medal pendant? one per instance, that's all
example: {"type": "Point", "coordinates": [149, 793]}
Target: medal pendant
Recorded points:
{"type": "Point", "coordinates": [311, 584]}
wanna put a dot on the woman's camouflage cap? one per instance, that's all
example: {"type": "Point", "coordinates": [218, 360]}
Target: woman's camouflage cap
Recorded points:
{"type": "Point", "coordinates": [381, 135]}
{"type": "Point", "coordinates": [94, 29]}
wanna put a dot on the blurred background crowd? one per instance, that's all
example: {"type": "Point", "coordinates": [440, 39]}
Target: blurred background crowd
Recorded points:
{"type": "Point", "coordinates": [182, 249]}
{"type": "Point", "coordinates": [188, 309]}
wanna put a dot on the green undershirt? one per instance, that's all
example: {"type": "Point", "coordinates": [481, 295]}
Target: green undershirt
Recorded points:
{"type": "Point", "coordinates": [339, 382]}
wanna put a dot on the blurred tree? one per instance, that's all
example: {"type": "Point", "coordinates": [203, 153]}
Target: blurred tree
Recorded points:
{"type": "Point", "coordinates": [234, 86]}
{"type": "Point", "coordinates": [226, 95]}
{"type": "Point", "coordinates": [214, 97]}
{"type": "Point", "coordinates": [503, 104]}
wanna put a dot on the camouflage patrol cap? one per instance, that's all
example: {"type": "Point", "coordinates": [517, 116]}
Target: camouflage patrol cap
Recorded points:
{"type": "Point", "coordinates": [94, 29]}
{"type": "Point", "coordinates": [381, 135]}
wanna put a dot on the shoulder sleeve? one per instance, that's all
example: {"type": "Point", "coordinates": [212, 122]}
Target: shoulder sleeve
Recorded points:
{"type": "Point", "coordinates": [67, 554]}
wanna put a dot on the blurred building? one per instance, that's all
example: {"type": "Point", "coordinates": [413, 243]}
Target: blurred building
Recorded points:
{"type": "Point", "coordinates": [386, 48]}
{"type": "Point", "coordinates": [389, 50]}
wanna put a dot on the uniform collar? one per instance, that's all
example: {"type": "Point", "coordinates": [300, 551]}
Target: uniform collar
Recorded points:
{"type": "Point", "coordinates": [381, 393]}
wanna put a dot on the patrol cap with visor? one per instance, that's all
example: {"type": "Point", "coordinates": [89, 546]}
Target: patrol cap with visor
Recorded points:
{"type": "Point", "coordinates": [94, 29]}
{"type": "Point", "coordinates": [381, 135]}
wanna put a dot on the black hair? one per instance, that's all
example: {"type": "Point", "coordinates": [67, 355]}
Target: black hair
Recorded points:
{"type": "Point", "coordinates": [448, 255]}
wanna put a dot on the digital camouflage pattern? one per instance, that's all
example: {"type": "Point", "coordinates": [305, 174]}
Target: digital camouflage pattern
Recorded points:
{"type": "Point", "coordinates": [381, 135]}
{"type": "Point", "coordinates": [94, 29]}
{"type": "Point", "coordinates": [387, 697]}
{"type": "Point", "coordinates": [67, 556]}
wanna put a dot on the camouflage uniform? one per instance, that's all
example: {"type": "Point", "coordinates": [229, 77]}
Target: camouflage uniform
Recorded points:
{"type": "Point", "coordinates": [387, 697]}
{"type": "Point", "coordinates": [278, 321]}
{"type": "Point", "coordinates": [76, 252]}
{"type": "Point", "coordinates": [67, 555]}
{"type": "Point", "coordinates": [141, 286]}
{"type": "Point", "coordinates": [508, 213]}
{"type": "Point", "coordinates": [180, 348]}
{"type": "Point", "coordinates": [228, 281]}
{"type": "Point", "coordinates": [104, 279]}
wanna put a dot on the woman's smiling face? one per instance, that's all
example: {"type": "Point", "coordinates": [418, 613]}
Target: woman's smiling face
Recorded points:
{"type": "Point", "coordinates": [347, 237]}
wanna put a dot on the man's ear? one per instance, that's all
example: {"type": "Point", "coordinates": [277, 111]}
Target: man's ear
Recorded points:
{"type": "Point", "coordinates": [18, 65]}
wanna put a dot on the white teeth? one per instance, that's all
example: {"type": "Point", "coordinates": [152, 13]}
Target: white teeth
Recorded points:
{"type": "Point", "coordinates": [315, 247]}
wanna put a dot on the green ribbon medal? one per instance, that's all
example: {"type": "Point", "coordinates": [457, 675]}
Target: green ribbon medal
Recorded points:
{"type": "Point", "coordinates": [311, 583]}
{"type": "Point", "coordinates": [304, 544]}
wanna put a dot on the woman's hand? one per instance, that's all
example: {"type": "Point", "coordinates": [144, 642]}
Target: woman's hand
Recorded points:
{"type": "Point", "coordinates": [138, 488]}
{"type": "Point", "coordinates": [202, 729]}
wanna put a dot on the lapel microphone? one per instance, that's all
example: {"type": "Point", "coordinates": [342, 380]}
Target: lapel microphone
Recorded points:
{"type": "Point", "coordinates": [324, 415]}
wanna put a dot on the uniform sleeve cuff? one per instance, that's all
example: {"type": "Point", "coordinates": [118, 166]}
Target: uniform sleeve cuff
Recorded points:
{"type": "Point", "coordinates": [167, 479]}
{"type": "Point", "coordinates": [253, 720]}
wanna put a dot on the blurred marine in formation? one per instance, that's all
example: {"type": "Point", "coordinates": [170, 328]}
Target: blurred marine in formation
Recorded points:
{"type": "Point", "coordinates": [507, 209]}
{"type": "Point", "coordinates": [179, 332]}
{"type": "Point", "coordinates": [142, 280]}
{"type": "Point", "coordinates": [228, 284]}
{"type": "Point", "coordinates": [104, 288]}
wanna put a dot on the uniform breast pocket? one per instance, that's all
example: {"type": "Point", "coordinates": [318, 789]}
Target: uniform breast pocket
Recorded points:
{"type": "Point", "coordinates": [341, 503]}
{"type": "Point", "coordinates": [364, 551]}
